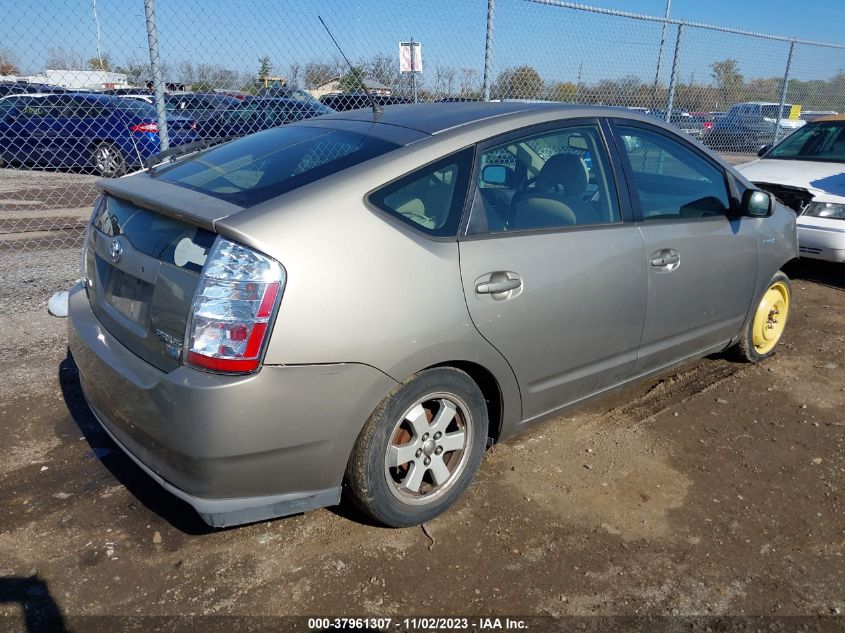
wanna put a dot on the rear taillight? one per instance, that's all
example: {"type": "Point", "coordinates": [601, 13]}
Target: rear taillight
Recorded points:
{"type": "Point", "coordinates": [707, 125]}
{"type": "Point", "coordinates": [235, 302]}
{"type": "Point", "coordinates": [144, 127]}
{"type": "Point", "coordinates": [194, 126]}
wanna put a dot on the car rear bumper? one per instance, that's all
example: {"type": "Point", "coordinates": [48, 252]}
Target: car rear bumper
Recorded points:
{"type": "Point", "coordinates": [236, 448]}
{"type": "Point", "coordinates": [822, 243]}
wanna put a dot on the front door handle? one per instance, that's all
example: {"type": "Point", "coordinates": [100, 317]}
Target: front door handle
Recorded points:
{"type": "Point", "coordinates": [494, 287]}
{"type": "Point", "coordinates": [667, 259]}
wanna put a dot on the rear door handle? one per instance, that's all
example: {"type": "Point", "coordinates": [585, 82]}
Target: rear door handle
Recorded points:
{"type": "Point", "coordinates": [494, 287]}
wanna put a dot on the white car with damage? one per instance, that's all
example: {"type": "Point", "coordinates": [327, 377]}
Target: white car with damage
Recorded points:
{"type": "Point", "coordinates": [806, 171]}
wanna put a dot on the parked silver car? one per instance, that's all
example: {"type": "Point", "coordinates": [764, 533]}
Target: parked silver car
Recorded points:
{"type": "Point", "coordinates": [363, 303]}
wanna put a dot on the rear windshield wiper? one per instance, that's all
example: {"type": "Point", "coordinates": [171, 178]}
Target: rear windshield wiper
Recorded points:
{"type": "Point", "coordinates": [180, 150]}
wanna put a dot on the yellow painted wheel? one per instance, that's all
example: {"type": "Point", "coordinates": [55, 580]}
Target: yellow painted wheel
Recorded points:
{"type": "Point", "coordinates": [770, 318]}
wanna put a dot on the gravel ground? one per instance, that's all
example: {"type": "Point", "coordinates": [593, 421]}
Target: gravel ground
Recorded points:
{"type": "Point", "coordinates": [40, 214]}
{"type": "Point", "coordinates": [713, 491]}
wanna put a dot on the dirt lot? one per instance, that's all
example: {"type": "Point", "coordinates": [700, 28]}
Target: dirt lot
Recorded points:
{"type": "Point", "coordinates": [714, 490]}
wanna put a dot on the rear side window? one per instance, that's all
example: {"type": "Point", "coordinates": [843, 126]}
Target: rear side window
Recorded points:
{"type": "Point", "coordinates": [261, 166]}
{"type": "Point", "coordinates": [431, 198]}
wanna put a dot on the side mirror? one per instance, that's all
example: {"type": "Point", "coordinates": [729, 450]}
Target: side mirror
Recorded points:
{"type": "Point", "coordinates": [764, 149]}
{"type": "Point", "coordinates": [756, 203]}
{"type": "Point", "coordinates": [494, 175]}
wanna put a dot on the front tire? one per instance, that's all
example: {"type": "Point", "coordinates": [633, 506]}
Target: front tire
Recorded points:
{"type": "Point", "coordinates": [420, 449]}
{"type": "Point", "coordinates": [768, 322]}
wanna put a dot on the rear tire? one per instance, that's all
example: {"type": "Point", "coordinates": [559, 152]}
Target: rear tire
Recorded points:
{"type": "Point", "coordinates": [767, 323]}
{"type": "Point", "coordinates": [420, 449]}
{"type": "Point", "coordinates": [107, 160]}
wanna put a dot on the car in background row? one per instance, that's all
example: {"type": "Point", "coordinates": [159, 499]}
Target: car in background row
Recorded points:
{"type": "Point", "coordinates": [258, 113]}
{"type": "Point", "coordinates": [363, 302]}
{"type": "Point", "coordinates": [342, 102]}
{"type": "Point", "coordinates": [22, 87]}
{"type": "Point", "coordinates": [748, 126]}
{"type": "Point", "coordinates": [684, 121]}
{"type": "Point", "coordinates": [806, 171]}
{"type": "Point", "coordinates": [201, 107]}
{"type": "Point", "coordinates": [108, 134]}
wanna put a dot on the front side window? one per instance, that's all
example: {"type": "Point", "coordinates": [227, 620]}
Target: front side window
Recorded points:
{"type": "Point", "coordinates": [673, 182]}
{"type": "Point", "coordinates": [431, 198]}
{"type": "Point", "coordinates": [545, 181]}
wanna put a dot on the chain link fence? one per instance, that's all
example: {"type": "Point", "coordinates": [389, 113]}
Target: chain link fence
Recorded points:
{"type": "Point", "coordinates": [121, 81]}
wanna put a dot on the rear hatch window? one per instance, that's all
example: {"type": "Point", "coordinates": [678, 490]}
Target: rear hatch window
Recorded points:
{"type": "Point", "coordinates": [142, 269]}
{"type": "Point", "coordinates": [255, 168]}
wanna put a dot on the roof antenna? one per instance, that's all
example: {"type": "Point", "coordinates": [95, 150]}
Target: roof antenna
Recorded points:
{"type": "Point", "coordinates": [377, 109]}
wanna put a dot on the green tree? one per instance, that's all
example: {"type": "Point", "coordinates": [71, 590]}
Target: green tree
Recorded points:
{"type": "Point", "coordinates": [353, 81]}
{"type": "Point", "coordinates": [522, 82]}
{"type": "Point", "coordinates": [728, 81]}
{"type": "Point", "coordinates": [203, 86]}
{"type": "Point", "coordinates": [100, 63]}
{"type": "Point", "coordinates": [265, 66]}
{"type": "Point", "coordinates": [134, 71]}
{"type": "Point", "coordinates": [317, 73]}
{"type": "Point", "coordinates": [565, 91]}
{"type": "Point", "coordinates": [8, 63]}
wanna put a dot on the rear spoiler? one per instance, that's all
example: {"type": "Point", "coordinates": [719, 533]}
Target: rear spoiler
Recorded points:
{"type": "Point", "coordinates": [168, 199]}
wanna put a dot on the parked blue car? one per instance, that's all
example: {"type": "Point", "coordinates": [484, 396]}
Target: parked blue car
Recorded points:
{"type": "Point", "coordinates": [107, 134]}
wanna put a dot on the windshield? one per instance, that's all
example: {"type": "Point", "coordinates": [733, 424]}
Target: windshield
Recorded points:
{"type": "Point", "coordinates": [822, 141]}
{"type": "Point", "coordinates": [256, 168]}
{"type": "Point", "coordinates": [771, 111]}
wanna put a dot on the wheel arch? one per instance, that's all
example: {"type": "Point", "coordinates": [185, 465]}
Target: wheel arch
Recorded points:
{"type": "Point", "coordinates": [490, 389]}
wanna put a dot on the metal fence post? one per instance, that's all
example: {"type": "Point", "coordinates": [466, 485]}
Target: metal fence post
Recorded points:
{"type": "Point", "coordinates": [660, 54]}
{"type": "Point", "coordinates": [783, 92]}
{"type": "Point", "coordinates": [158, 80]}
{"type": "Point", "coordinates": [673, 80]}
{"type": "Point", "coordinates": [488, 50]}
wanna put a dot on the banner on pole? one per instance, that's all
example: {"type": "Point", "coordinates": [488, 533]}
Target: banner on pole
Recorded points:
{"type": "Point", "coordinates": [410, 57]}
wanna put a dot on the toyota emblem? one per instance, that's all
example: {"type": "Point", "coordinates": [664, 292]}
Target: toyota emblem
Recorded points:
{"type": "Point", "coordinates": [115, 251]}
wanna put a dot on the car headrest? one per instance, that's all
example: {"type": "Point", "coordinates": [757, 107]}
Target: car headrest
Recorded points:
{"type": "Point", "coordinates": [567, 170]}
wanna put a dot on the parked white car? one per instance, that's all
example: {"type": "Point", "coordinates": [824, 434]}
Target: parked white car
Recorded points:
{"type": "Point", "coordinates": [806, 171]}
